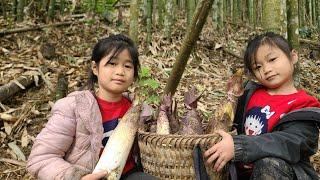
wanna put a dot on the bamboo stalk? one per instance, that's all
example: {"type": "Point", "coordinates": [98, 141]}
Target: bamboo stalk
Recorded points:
{"type": "Point", "coordinates": [25, 29]}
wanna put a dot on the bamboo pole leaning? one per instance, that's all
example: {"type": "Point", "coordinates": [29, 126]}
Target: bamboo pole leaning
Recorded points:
{"type": "Point", "coordinates": [194, 29]}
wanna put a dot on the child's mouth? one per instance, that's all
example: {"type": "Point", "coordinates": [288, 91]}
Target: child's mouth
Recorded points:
{"type": "Point", "coordinates": [118, 81]}
{"type": "Point", "coordinates": [271, 77]}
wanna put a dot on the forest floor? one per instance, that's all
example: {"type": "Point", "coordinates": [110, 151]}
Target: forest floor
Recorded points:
{"type": "Point", "coordinates": [26, 112]}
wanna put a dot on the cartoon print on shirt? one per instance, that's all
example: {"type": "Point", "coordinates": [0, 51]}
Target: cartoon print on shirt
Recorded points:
{"type": "Point", "coordinates": [257, 120]}
{"type": "Point", "coordinates": [253, 125]}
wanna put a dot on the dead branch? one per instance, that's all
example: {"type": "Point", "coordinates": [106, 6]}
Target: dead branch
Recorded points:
{"type": "Point", "coordinates": [307, 41]}
{"type": "Point", "coordinates": [15, 86]}
{"type": "Point", "coordinates": [22, 82]}
{"type": "Point", "coordinates": [40, 27]}
{"type": "Point", "coordinates": [13, 161]}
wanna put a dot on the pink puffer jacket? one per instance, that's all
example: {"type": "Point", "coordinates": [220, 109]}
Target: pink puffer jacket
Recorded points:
{"type": "Point", "coordinates": [69, 145]}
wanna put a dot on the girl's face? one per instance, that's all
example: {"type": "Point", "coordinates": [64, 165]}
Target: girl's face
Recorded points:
{"type": "Point", "coordinates": [274, 69]}
{"type": "Point", "coordinates": [114, 75]}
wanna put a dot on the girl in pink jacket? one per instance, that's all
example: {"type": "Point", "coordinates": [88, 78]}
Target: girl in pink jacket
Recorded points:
{"type": "Point", "coordinates": [80, 124]}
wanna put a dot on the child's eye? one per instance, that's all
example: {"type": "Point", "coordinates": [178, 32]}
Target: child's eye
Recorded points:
{"type": "Point", "coordinates": [257, 67]}
{"type": "Point", "coordinates": [129, 66]}
{"type": "Point", "coordinates": [273, 59]}
{"type": "Point", "coordinates": [112, 63]}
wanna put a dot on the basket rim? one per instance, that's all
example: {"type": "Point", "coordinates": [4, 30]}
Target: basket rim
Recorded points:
{"type": "Point", "coordinates": [179, 135]}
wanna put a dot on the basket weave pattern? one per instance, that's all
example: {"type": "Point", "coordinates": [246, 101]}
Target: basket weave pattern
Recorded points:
{"type": "Point", "coordinates": [315, 159]}
{"type": "Point", "coordinates": [170, 156]}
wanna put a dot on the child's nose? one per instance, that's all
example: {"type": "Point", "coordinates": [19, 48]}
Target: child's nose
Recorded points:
{"type": "Point", "coordinates": [266, 68]}
{"type": "Point", "coordinates": [120, 70]}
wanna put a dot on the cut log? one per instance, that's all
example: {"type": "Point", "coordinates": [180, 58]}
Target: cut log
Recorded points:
{"type": "Point", "coordinates": [22, 82]}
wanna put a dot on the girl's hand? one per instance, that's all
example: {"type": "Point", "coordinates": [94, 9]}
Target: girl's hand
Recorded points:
{"type": "Point", "coordinates": [95, 176]}
{"type": "Point", "coordinates": [221, 152]}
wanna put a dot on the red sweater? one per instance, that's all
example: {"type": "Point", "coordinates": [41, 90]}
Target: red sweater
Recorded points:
{"type": "Point", "coordinates": [111, 112]}
{"type": "Point", "coordinates": [264, 110]}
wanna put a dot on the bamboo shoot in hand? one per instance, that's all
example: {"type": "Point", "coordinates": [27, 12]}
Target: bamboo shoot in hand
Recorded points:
{"type": "Point", "coordinates": [117, 149]}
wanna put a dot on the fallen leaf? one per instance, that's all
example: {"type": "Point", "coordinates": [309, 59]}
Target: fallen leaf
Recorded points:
{"type": "Point", "coordinates": [7, 117]}
{"type": "Point", "coordinates": [17, 151]}
{"type": "Point", "coordinates": [70, 71]}
{"type": "Point", "coordinates": [7, 128]}
{"type": "Point", "coordinates": [24, 138]}
{"type": "Point", "coordinates": [6, 51]}
{"type": "Point", "coordinates": [19, 84]}
{"type": "Point", "coordinates": [217, 46]}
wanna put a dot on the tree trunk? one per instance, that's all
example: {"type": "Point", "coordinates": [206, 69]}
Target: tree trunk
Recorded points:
{"type": "Point", "coordinates": [302, 12]}
{"type": "Point", "coordinates": [134, 17]}
{"type": "Point", "coordinates": [220, 15]}
{"type": "Point", "coordinates": [215, 14]}
{"type": "Point", "coordinates": [3, 9]}
{"type": "Point", "coordinates": [168, 18]}
{"type": "Point", "coordinates": [284, 19]}
{"type": "Point", "coordinates": [309, 12]}
{"type": "Point", "coordinates": [225, 10]}
{"type": "Point", "coordinates": [271, 15]}
{"type": "Point", "coordinates": [149, 20]}
{"type": "Point", "coordinates": [314, 16]}
{"type": "Point", "coordinates": [14, 8]}
{"type": "Point", "coordinates": [161, 11]}
{"type": "Point", "coordinates": [51, 9]}
{"type": "Point", "coordinates": [145, 11]}
{"type": "Point", "coordinates": [259, 11]}
{"type": "Point", "coordinates": [198, 20]}
{"type": "Point", "coordinates": [44, 5]}
{"type": "Point", "coordinates": [235, 11]}
{"type": "Point", "coordinates": [191, 6]}
{"type": "Point", "coordinates": [251, 14]}
{"type": "Point", "coordinates": [20, 8]}
{"type": "Point", "coordinates": [293, 23]}
{"type": "Point", "coordinates": [240, 11]}
{"type": "Point", "coordinates": [62, 6]}
{"type": "Point", "coordinates": [318, 13]}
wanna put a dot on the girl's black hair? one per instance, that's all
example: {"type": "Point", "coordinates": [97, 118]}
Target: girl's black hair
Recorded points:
{"type": "Point", "coordinates": [113, 44]}
{"type": "Point", "coordinates": [268, 38]}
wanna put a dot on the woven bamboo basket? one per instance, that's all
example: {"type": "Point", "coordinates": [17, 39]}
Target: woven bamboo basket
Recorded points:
{"type": "Point", "coordinates": [170, 156]}
{"type": "Point", "coordinates": [315, 159]}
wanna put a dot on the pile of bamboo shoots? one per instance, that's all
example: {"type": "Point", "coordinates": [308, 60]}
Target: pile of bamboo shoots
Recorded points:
{"type": "Point", "coordinates": [191, 123]}
{"type": "Point", "coordinates": [117, 149]}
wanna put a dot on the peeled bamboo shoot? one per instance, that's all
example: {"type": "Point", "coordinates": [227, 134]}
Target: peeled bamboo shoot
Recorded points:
{"type": "Point", "coordinates": [117, 149]}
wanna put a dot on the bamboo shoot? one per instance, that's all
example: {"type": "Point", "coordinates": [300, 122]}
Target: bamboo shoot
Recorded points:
{"type": "Point", "coordinates": [117, 149]}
